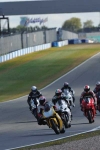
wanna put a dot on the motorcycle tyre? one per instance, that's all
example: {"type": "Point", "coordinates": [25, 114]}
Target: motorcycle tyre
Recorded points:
{"type": "Point", "coordinates": [54, 127]}
{"type": "Point", "coordinates": [66, 118]}
{"type": "Point", "coordinates": [63, 130]}
{"type": "Point", "coordinates": [90, 117]}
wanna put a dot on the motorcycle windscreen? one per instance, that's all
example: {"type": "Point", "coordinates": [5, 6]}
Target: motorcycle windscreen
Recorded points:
{"type": "Point", "coordinates": [49, 113]}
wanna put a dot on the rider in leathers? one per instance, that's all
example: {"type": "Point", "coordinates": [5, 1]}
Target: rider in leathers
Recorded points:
{"type": "Point", "coordinates": [33, 94]}
{"type": "Point", "coordinates": [96, 90]}
{"type": "Point", "coordinates": [60, 95]}
{"type": "Point", "coordinates": [40, 108]}
{"type": "Point", "coordinates": [97, 87]}
{"type": "Point", "coordinates": [66, 86]}
{"type": "Point", "coordinates": [88, 92]}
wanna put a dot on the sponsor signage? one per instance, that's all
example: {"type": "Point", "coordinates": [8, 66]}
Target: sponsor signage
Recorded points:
{"type": "Point", "coordinates": [36, 20]}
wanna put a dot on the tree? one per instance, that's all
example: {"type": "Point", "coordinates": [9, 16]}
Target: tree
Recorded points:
{"type": "Point", "coordinates": [44, 27]}
{"type": "Point", "coordinates": [20, 28]}
{"type": "Point", "coordinates": [72, 24]}
{"type": "Point", "coordinates": [88, 24]}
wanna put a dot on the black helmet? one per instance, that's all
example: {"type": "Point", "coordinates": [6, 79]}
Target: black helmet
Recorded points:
{"type": "Point", "coordinates": [42, 100]}
{"type": "Point", "coordinates": [58, 92]}
{"type": "Point", "coordinates": [66, 85]}
{"type": "Point", "coordinates": [86, 88]}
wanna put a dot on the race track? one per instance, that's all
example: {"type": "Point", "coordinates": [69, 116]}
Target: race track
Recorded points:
{"type": "Point", "coordinates": [18, 127]}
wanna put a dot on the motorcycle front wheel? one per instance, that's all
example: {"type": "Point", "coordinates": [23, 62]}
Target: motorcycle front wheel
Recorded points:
{"type": "Point", "coordinates": [54, 126]}
{"type": "Point", "coordinates": [89, 115]}
{"type": "Point", "coordinates": [66, 120]}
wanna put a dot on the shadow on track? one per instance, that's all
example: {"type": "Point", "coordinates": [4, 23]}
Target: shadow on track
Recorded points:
{"type": "Point", "coordinates": [79, 123]}
{"type": "Point", "coordinates": [44, 134]}
{"type": "Point", "coordinates": [26, 121]}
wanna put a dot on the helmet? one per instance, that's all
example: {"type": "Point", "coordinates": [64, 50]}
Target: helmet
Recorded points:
{"type": "Point", "coordinates": [42, 100]}
{"type": "Point", "coordinates": [98, 83]}
{"type": "Point", "coordinates": [34, 89]}
{"type": "Point", "coordinates": [86, 88]}
{"type": "Point", "coordinates": [66, 85]}
{"type": "Point", "coordinates": [58, 92]}
{"type": "Point", "coordinates": [46, 107]}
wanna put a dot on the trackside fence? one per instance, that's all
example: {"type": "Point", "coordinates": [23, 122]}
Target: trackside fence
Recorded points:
{"type": "Point", "coordinates": [28, 50]}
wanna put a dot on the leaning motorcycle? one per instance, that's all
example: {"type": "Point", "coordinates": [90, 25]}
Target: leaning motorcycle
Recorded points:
{"type": "Point", "coordinates": [89, 108]}
{"type": "Point", "coordinates": [69, 97]}
{"type": "Point", "coordinates": [34, 104]}
{"type": "Point", "coordinates": [98, 100]}
{"type": "Point", "coordinates": [64, 112]}
{"type": "Point", "coordinates": [52, 118]}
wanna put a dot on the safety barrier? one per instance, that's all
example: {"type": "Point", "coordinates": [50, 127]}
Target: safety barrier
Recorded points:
{"type": "Point", "coordinates": [59, 44]}
{"type": "Point", "coordinates": [29, 50]}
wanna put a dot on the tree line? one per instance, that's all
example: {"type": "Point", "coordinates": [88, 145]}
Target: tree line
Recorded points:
{"type": "Point", "coordinates": [73, 24]}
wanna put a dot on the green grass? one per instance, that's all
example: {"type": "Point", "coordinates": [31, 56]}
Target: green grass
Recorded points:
{"type": "Point", "coordinates": [62, 141]}
{"type": "Point", "coordinates": [40, 68]}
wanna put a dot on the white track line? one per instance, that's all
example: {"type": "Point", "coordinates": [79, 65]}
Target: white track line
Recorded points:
{"type": "Point", "coordinates": [56, 139]}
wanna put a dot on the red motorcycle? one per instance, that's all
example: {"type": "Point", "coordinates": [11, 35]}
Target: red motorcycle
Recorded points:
{"type": "Point", "coordinates": [98, 100]}
{"type": "Point", "coordinates": [89, 108]}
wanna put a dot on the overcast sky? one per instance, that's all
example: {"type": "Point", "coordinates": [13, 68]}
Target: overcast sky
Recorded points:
{"type": "Point", "coordinates": [55, 20]}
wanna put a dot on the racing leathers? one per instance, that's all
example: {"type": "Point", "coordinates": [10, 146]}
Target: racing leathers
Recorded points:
{"type": "Point", "coordinates": [71, 91]}
{"type": "Point", "coordinates": [40, 109]}
{"type": "Point", "coordinates": [89, 93]}
{"type": "Point", "coordinates": [56, 98]}
{"type": "Point", "coordinates": [96, 89]}
{"type": "Point", "coordinates": [32, 95]}
{"type": "Point", "coordinates": [62, 96]}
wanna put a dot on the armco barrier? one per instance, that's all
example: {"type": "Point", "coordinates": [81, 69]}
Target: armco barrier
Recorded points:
{"type": "Point", "coordinates": [28, 50]}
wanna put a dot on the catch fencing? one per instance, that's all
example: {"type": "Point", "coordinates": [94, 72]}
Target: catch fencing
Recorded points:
{"type": "Point", "coordinates": [20, 41]}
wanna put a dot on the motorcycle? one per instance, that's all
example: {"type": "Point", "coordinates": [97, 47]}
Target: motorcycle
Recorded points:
{"type": "Point", "coordinates": [98, 100]}
{"type": "Point", "coordinates": [52, 118]}
{"type": "Point", "coordinates": [69, 97]}
{"type": "Point", "coordinates": [64, 112]}
{"type": "Point", "coordinates": [89, 108]}
{"type": "Point", "coordinates": [34, 104]}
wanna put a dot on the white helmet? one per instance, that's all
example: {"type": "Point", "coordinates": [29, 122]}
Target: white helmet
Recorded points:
{"type": "Point", "coordinates": [34, 89]}
{"type": "Point", "coordinates": [98, 83]}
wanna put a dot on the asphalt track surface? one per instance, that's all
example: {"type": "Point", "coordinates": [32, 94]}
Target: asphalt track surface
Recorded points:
{"type": "Point", "coordinates": [18, 126]}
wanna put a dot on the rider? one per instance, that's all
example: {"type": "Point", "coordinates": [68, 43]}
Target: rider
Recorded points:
{"type": "Point", "coordinates": [96, 90]}
{"type": "Point", "coordinates": [42, 102]}
{"type": "Point", "coordinates": [88, 92]}
{"type": "Point", "coordinates": [59, 95]}
{"type": "Point", "coordinates": [66, 86]}
{"type": "Point", "coordinates": [33, 94]}
{"type": "Point", "coordinates": [97, 87]}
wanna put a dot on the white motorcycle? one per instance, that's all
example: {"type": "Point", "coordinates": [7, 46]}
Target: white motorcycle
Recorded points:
{"type": "Point", "coordinates": [64, 112]}
{"type": "Point", "coordinates": [69, 97]}
{"type": "Point", "coordinates": [34, 104]}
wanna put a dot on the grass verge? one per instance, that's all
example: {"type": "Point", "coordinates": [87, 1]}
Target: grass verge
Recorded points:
{"type": "Point", "coordinates": [40, 68]}
{"type": "Point", "coordinates": [62, 141]}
